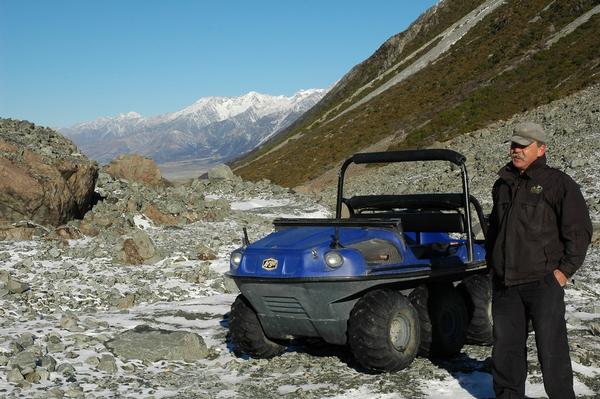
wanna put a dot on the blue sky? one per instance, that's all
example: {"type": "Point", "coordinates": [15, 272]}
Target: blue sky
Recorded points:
{"type": "Point", "coordinates": [68, 61]}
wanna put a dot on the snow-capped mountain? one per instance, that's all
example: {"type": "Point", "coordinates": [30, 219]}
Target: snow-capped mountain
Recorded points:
{"type": "Point", "coordinates": [212, 128]}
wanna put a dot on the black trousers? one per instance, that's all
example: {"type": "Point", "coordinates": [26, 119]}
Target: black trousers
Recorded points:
{"type": "Point", "coordinates": [543, 302]}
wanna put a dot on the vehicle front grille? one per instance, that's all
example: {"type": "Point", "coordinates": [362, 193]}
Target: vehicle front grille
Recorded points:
{"type": "Point", "coordinates": [288, 306]}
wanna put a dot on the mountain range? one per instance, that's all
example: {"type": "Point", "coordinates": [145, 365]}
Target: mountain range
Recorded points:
{"type": "Point", "coordinates": [212, 130]}
{"type": "Point", "coordinates": [462, 65]}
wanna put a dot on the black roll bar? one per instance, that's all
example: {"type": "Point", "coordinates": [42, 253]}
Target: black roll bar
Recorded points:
{"type": "Point", "coordinates": [412, 156]}
{"type": "Point", "coordinates": [409, 156]}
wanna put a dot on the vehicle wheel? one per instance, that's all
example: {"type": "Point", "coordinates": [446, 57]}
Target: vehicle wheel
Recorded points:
{"type": "Point", "coordinates": [443, 317]}
{"type": "Point", "coordinates": [247, 335]}
{"type": "Point", "coordinates": [477, 291]}
{"type": "Point", "coordinates": [383, 331]}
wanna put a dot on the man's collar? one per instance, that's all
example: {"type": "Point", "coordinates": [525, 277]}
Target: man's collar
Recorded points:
{"type": "Point", "coordinates": [509, 172]}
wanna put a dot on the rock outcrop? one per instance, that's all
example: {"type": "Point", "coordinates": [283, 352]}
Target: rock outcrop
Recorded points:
{"type": "Point", "coordinates": [135, 168]}
{"type": "Point", "coordinates": [43, 177]}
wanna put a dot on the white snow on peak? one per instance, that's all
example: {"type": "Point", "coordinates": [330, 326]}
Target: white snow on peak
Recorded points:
{"type": "Point", "coordinates": [130, 115]}
{"type": "Point", "coordinates": [215, 109]}
{"type": "Point", "coordinates": [206, 128]}
{"type": "Point", "coordinates": [207, 110]}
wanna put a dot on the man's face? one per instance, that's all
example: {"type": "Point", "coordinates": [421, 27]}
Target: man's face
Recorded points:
{"type": "Point", "coordinates": [524, 155]}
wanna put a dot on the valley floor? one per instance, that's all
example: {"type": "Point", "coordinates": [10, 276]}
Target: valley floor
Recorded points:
{"type": "Point", "coordinates": [64, 287]}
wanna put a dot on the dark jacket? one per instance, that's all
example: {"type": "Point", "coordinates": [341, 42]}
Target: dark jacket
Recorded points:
{"type": "Point", "coordinates": [539, 222]}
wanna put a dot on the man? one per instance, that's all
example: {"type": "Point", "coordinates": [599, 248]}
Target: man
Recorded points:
{"type": "Point", "coordinates": [539, 232]}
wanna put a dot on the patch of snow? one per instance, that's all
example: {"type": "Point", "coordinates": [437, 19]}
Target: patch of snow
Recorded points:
{"type": "Point", "coordinates": [142, 222]}
{"type": "Point", "coordinates": [257, 203]}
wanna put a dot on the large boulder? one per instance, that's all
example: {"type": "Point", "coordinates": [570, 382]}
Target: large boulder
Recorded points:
{"type": "Point", "coordinates": [151, 345]}
{"type": "Point", "coordinates": [135, 168]}
{"type": "Point", "coordinates": [221, 172]}
{"type": "Point", "coordinates": [136, 248]}
{"type": "Point", "coordinates": [43, 177]}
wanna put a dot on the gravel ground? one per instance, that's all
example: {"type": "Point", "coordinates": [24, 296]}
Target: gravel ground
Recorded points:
{"type": "Point", "coordinates": [65, 303]}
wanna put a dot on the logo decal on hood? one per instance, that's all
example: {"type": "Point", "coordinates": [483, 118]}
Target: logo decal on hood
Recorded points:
{"type": "Point", "coordinates": [269, 264]}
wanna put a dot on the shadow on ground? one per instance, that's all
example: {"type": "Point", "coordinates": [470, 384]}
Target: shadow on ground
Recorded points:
{"type": "Point", "coordinates": [473, 375]}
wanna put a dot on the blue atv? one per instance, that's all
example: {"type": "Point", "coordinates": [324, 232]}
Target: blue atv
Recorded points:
{"type": "Point", "coordinates": [392, 276]}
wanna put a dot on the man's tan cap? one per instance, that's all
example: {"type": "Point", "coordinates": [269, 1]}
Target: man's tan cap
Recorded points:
{"type": "Point", "coordinates": [527, 132]}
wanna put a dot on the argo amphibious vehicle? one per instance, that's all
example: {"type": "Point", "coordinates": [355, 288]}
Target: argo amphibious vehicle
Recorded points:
{"type": "Point", "coordinates": [391, 275]}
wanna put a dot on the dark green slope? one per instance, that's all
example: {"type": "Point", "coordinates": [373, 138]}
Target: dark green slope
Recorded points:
{"type": "Point", "coordinates": [502, 66]}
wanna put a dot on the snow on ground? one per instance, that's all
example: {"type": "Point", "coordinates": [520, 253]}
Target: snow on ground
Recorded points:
{"type": "Point", "coordinates": [61, 286]}
{"type": "Point", "coordinates": [271, 208]}
{"type": "Point", "coordinates": [257, 203]}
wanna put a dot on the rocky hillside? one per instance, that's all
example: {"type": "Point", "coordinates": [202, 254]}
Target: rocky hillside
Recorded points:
{"type": "Point", "coordinates": [43, 176]}
{"type": "Point", "coordinates": [462, 65]}
{"type": "Point", "coordinates": [573, 126]}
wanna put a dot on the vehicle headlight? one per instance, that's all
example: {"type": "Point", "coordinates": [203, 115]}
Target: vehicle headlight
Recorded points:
{"type": "Point", "coordinates": [236, 259]}
{"type": "Point", "coordinates": [333, 259]}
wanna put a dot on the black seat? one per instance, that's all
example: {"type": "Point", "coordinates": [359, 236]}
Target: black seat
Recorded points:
{"type": "Point", "coordinates": [437, 222]}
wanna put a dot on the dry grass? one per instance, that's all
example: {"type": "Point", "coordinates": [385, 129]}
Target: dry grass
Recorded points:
{"type": "Point", "coordinates": [499, 68]}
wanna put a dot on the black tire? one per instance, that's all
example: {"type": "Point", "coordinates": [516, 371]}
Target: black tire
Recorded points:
{"type": "Point", "coordinates": [383, 331]}
{"type": "Point", "coordinates": [443, 317]}
{"type": "Point", "coordinates": [247, 335]}
{"type": "Point", "coordinates": [418, 297]}
{"type": "Point", "coordinates": [477, 291]}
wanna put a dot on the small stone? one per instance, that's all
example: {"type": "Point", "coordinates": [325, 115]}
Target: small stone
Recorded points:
{"type": "Point", "coordinates": [15, 347]}
{"type": "Point", "coordinates": [129, 367]}
{"type": "Point", "coordinates": [578, 283]}
{"type": "Point", "coordinates": [204, 252]}
{"type": "Point", "coordinates": [27, 370]}
{"type": "Point", "coordinates": [23, 360]}
{"type": "Point", "coordinates": [595, 328]}
{"type": "Point", "coordinates": [54, 253]}
{"type": "Point", "coordinates": [92, 361]}
{"type": "Point", "coordinates": [108, 364]}
{"type": "Point", "coordinates": [126, 302]}
{"type": "Point", "coordinates": [32, 377]}
{"type": "Point", "coordinates": [16, 286]}
{"type": "Point", "coordinates": [26, 340]}
{"type": "Point", "coordinates": [55, 347]}
{"type": "Point", "coordinates": [69, 323]}
{"type": "Point", "coordinates": [55, 393]}
{"type": "Point", "coordinates": [53, 337]}
{"type": "Point", "coordinates": [229, 286]}
{"type": "Point", "coordinates": [14, 375]}
{"type": "Point", "coordinates": [66, 369]}
{"type": "Point", "coordinates": [75, 391]}
{"type": "Point", "coordinates": [595, 309]}
{"type": "Point", "coordinates": [48, 363]}
{"type": "Point", "coordinates": [577, 163]}
{"type": "Point", "coordinates": [24, 384]}
{"type": "Point", "coordinates": [27, 262]}
{"type": "Point", "coordinates": [43, 373]}
{"type": "Point", "coordinates": [218, 285]}
{"type": "Point", "coordinates": [81, 338]}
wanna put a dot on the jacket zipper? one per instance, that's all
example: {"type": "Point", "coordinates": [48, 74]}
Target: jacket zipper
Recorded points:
{"type": "Point", "coordinates": [515, 190]}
